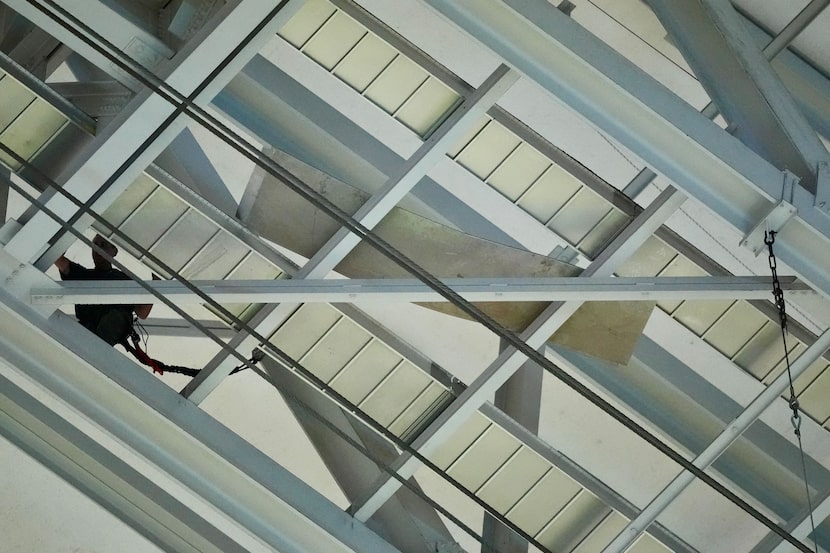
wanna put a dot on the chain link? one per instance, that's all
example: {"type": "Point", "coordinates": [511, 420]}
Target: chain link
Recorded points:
{"type": "Point", "coordinates": [795, 419]}
{"type": "Point", "coordinates": [778, 296]}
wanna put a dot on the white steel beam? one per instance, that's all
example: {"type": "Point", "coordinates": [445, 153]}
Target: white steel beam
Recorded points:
{"type": "Point", "coordinates": [149, 122]}
{"type": "Point", "coordinates": [133, 38]}
{"type": "Point", "coordinates": [338, 247]}
{"type": "Point", "coordinates": [709, 455]}
{"type": "Point", "coordinates": [105, 478]}
{"type": "Point", "coordinates": [772, 49]}
{"type": "Point", "coordinates": [509, 361]}
{"type": "Point", "coordinates": [411, 290]}
{"type": "Point", "coordinates": [743, 85]}
{"type": "Point", "coordinates": [221, 470]}
{"type": "Point", "coordinates": [669, 135]}
{"type": "Point", "coordinates": [802, 529]}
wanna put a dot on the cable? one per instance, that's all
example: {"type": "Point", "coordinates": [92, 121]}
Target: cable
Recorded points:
{"type": "Point", "coordinates": [384, 466]}
{"type": "Point", "coordinates": [778, 296]}
{"type": "Point", "coordinates": [269, 347]}
{"type": "Point", "coordinates": [187, 107]}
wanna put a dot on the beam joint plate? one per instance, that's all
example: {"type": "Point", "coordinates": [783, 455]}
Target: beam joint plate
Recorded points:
{"type": "Point", "coordinates": [823, 188]}
{"type": "Point", "coordinates": [774, 220]}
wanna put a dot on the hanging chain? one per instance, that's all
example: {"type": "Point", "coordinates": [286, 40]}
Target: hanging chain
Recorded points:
{"type": "Point", "coordinates": [795, 419]}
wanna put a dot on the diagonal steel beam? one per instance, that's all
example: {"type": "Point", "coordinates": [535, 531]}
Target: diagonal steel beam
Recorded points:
{"type": "Point", "coordinates": [395, 188]}
{"type": "Point", "coordinates": [149, 122]}
{"type": "Point", "coordinates": [770, 51]}
{"type": "Point", "coordinates": [511, 359]}
{"type": "Point", "coordinates": [670, 136]}
{"type": "Point", "coordinates": [246, 488]}
{"type": "Point", "coordinates": [743, 85]}
{"type": "Point", "coordinates": [731, 433]}
{"type": "Point", "coordinates": [112, 483]}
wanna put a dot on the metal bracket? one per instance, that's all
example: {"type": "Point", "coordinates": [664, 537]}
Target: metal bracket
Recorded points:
{"type": "Point", "coordinates": [774, 221]}
{"type": "Point", "coordinates": [822, 202]}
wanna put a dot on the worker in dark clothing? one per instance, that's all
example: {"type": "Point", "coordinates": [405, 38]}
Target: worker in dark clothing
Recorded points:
{"type": "Point", "coordinates": [112, 323]}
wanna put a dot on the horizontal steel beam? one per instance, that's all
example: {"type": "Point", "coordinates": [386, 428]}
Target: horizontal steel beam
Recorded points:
{"type": "Point", "coordinates": [411, 290]}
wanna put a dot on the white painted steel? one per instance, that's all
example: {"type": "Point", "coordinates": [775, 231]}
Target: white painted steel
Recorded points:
{"type": "Point", "coordinates": [132, 406]}
{"type": "Point", "coordinates": [669, 135]}
{"type": "Point", "coordinates": [410, 290]}
{"type": "Point", "coordinates": [509, 361]}
{"type": "Point", "coordinates": [395, 188]}
{"type": "Point", "coordinates": [90, 467]}
{"type": "Point", "coordinates": [145, 114]}
{"type": "Point", "coordinates": [708, 456]}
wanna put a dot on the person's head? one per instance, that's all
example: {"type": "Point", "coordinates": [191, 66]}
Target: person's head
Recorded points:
{"type": "Point", "coordinates": [99, 261]}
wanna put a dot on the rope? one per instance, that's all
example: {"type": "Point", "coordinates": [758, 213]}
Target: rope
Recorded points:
{"type": "Point", "coordinates": [795, 419]}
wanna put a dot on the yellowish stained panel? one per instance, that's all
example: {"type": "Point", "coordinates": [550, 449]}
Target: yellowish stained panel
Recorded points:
{"type": "Point", "coordinates": [16, 98]}
{"type": "Point", "coordinates": [795, 351]}
{"type": "Point", "coordinates": [576, 219]}
{"type": "Point", "coordinates": [808, 377]}
{"type": "Point", "coordinates": [31, 130]}
{"type": "Point", "coordinates": [649, 260]}
{"type": "Point", "coordinates": [156, 215]}
{"type": "Point", "coordinates": [129, 200]}
{"type": "Point", "coordinates": [679, 266]}
{"type": "Point", "coordinates": [603, 534]}
{"type": "Point", "coordinates": [365, 62]}
{"type": "Point", "coordinates": [484, 458]}
{"type": "Point", "coordinates": [427, 106]}
{"type": "Point", "coordinates": [365, 371]}
{"type": "Point", "coordinates": [514, 480]}
{"type": "Point", "coordinates": [699, 315]}
{"type": "Point", "coordinates": [549, 193]}
{"type": "Point", "coordinates": [394, 395]}
{"type": "Point", "coordinates": [460, 440]}
{"type": "Point", "coordinates": [573, 522]}
{"type": "Point", "coordinates": [603, 232]}
{"type": "Point", "coordinates": [468, 137]}
{"type": "Point", "coordinates": [417, 408]}
{"type": "Point", "coordinates": [544, 501]}
{"type": "Point", "coordinates": [190, 234]}
{"type": "Point", "coordinates": [305, 327]}
{"type": "Point", "coordinates": [647, 544]}
{"type": "Point", "coordinates": [735, 328]}
{"type": "Point", "coordinates": [306, 22]}
{"type": "Point", "coordinates": [331, 44]}
{"type": "Point", "coordinates": [395, 84]}
{"type": "Point", "coordinates": [763, 352]}
{"type": "Point", "coordinates": [488, 150]}
{"type": "Point", "coordinates": [519, 171]}
{"type": "Point", "coordinates": [814, 399]}
{"type": "Point", "coordinates": [335, 349]}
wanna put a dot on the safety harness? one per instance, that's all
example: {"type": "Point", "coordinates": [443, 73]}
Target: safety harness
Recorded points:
{"type": "Point", "coordinates": [159, 367]}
